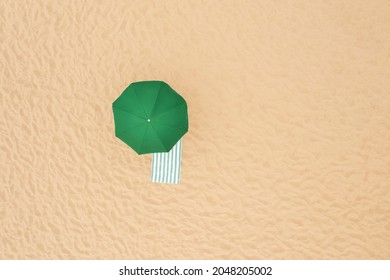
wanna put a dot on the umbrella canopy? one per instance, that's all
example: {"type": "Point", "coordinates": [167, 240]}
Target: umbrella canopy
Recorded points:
{"type": "Point", "coordinates": [150, 117]}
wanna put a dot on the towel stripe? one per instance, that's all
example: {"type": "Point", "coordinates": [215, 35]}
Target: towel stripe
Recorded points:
{"type": "Point", "coordinates": [166, 166]}
{"type": "Point", "coordinates": [179, 166]}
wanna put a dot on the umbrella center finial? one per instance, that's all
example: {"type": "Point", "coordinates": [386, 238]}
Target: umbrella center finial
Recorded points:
{"type": "Point", "coordinates": [148, 120]}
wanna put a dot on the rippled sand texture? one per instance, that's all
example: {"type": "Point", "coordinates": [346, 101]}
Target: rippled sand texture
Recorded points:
{"type": "Point", "coordinates": [288, 153]}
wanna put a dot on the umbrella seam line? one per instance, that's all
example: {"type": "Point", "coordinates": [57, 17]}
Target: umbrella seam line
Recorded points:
{"type": "Point", "coordinates": [143, 139]}
{"type": "Point", "coordinates": [170, 126]}
{"type": "Point", "coordinates": [158, 137]}
{"type": "Point", "coordinates": [119, 109]}
{"type": "Point", "coordinates": [125, 132]}
{"type": "Point", "coordinates": [142, 105]}
{"type": "Point", "coordinates": [170, 109]}
{"type": "Point", "coordinates": [158, 94]}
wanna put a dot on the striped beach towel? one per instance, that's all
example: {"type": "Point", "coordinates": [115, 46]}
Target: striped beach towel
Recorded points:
{"type": "Point", "coordinates": [166, 166]}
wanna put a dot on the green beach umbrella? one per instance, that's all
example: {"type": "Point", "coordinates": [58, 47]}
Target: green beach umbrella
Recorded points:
{"type": "Point", "coordinates": [150, 117]}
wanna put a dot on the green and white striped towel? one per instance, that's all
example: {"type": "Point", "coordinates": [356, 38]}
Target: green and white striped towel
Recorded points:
{"type": "Point", "coordinates": [166, 166]}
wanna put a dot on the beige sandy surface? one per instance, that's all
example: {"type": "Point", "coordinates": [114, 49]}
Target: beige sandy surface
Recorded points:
{"type": "Point", "coordinates": [288, 153]}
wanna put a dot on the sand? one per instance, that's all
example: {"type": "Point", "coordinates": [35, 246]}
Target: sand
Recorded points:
{"type": "Point", "coordinates": [288, 152]}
